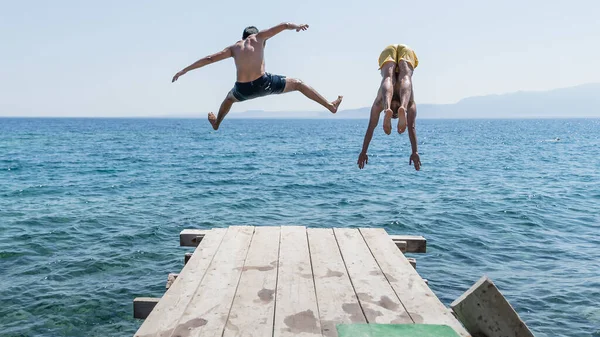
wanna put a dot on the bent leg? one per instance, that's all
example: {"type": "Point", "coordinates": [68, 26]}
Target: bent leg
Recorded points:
{"type": "Point", "coordinates": [386, 90]}
{"type": "Point", "coordinates": [404, 83]}
{"type": "Point", "coordinates": [223, 111]}
{"type": "Point", "coordinates": [293, 84]}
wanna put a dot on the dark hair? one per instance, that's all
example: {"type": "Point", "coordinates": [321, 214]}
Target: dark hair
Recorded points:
{"type": "Point", "coordinates": [249, 31]}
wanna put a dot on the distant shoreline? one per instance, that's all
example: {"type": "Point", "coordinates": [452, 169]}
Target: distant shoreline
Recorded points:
{"type": "Point", "coordinates": [295, 118]}
{"type": "Point", "coordinates": [581, 101]}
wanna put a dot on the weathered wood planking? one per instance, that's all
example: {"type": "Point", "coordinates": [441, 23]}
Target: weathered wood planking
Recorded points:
{"type": "Point", "coordinates": [208, 311]}
{"type": "Point", "coordinates": [420, 302]}
{"type": "Point", "coordinates": [377, 298]}
{"type": "Point", "coordinates": [253, 307]}
{"type": "Point", "coordinates": [320, 278]}
{"type": "Point", "coordinates": [142, 306]}
{"type": "Point", "coordinates": [484, 310]}
{"type": "Point", "coordinates": [164, 316]}
{"type": "Point", "coordinates": [406, 243]}
{"type": "Point", "coordinates": [296, 311]}
{"type": "Point", "coordinates": [335, 295]}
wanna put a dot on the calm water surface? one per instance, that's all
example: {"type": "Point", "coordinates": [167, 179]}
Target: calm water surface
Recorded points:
{"type": "Point", "coordinates": [91, 209]}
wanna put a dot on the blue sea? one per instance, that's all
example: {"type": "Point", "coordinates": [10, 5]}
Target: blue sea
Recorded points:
{"type": "Point", "coordinates": [91, 209]}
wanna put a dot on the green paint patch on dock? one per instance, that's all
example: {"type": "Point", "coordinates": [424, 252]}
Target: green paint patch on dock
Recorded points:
{"type": "Point", "coordinates": [395, 330]}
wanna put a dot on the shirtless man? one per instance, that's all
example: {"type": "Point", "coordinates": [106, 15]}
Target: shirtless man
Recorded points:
{"type": "Point", "coordinates": [252, 80]}
{"type": "Point", "coordinates": [395, 98]}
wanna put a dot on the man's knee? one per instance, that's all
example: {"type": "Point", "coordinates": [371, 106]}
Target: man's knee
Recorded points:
{"type": "Point", "coordinates": [293, 84]}
{"type": "Point", "coordinates": [388, 76]}
{"type": "Point", "coordinates": [388, 83]}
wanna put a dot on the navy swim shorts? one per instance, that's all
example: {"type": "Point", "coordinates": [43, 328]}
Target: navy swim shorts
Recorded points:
{"type": "Point", "coordinates": [267, 84]}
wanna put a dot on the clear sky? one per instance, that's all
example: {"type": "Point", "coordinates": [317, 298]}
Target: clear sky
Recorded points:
{"type": "Point", "coordinates": [117, 58]}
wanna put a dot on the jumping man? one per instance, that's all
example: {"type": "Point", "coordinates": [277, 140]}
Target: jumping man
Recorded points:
{"type": "Point", "coordinates": [252, 80]}
{"type": "Point", "coordinates": [395, 98]}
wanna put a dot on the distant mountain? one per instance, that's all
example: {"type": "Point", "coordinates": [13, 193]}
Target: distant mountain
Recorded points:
{"type": "Point", "coordinates": [579, 101]}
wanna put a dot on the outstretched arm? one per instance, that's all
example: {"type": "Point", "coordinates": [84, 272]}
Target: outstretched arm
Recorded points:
{"type": "Point", "coordinates": [412, 135]}
{"type": "Point", "coordinates": [225, 53]}
{"type": "Point", "coordinates": [269, 33]}
{"type": "Point", "coordinates": [363, 158]}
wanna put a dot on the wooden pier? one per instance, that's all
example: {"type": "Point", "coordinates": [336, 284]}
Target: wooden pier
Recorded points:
{"type": "Point", "coordinates": [292, 281]}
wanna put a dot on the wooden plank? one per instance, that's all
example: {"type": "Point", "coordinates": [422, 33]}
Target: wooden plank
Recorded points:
{"type": "Point", "coordinates": [208, 311]}
{"type": "Point", "coordinates": [483, 310]}
{"type": "Point", "coordinates": [142, 306]}
{"type": "Point", "coordinates": [414, 243]}
{"type": "Point", "coordinates": [420, 302]}
{"type": "Point", "coordinates": [165, 315]}
{"type": "Point", "coordinates": [335, 295]}
{"type": "Point", "coordinates": [191, 237]}
{"type": "Point", "coordinates": [377, 298]}
{"type": "Point", "coordinates": [253, 307]}
{"type": "Point", "coordinates": [171, 279]}
{"type": "Point", "coordinates": [296, 310]}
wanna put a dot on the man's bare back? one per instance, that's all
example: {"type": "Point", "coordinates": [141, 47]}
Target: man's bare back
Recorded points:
{"type": "Point", "coordinates": [252, 79]}
{"type": "Point", "coordinates": [249, 57]}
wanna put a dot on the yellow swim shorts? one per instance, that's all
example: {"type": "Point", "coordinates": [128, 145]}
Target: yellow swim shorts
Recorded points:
{"type": "Point", "coordinates": [396, 52]}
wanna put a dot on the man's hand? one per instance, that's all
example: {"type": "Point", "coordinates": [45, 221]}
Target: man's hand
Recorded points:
{"type": "Point", "coordinates": [414, 158]}
{"type": "Point", "coordinates": [177, 76]}
{"type": "Point", "coordinates": [363, 159]}
{"type": "Point", "coordinates": [300, 27]}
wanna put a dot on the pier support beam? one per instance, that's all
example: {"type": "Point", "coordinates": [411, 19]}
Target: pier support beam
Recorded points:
{"type": "Point", "coordinates": [414, 243]}
{"type": "Point", "coordinates": [406, 243]}
{"type": "Point", "coordinates": [142, 306]}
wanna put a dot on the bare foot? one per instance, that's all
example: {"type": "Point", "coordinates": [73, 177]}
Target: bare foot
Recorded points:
{"type": "Point", "coordinates": [213, 120]}
{"type": "Point", "coordinates": [401, 120]}
{"type": "Point", "coordinates": [387, 121]}
{"type": "Point", "coordinates": [335, 104]}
